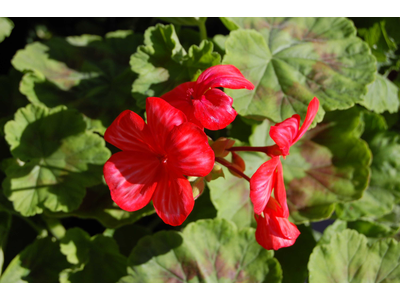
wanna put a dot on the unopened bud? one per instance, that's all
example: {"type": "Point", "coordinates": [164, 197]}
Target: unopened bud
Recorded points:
{"type": "Point", "coordinates": [220, 145]}
{"type": "Point", "coordinates": [238, 163]}
{"type": "Point", "coordinates": [215, 173]}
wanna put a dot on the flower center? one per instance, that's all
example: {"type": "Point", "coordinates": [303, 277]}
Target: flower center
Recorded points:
{"type": "Point", "coordinates": [163, 158]}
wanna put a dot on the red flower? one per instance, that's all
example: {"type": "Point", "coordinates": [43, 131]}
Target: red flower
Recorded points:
{"type": "Point", "coordinates": [286, 133]}
{"type": "Point", "coordinates": [268, 177]}
{"type": "Point", "coordinates": [154, 159]}
{"type": "Point", "coordinates": [274, 231]}
{"type": "Point", "coordinates": [202, 103]}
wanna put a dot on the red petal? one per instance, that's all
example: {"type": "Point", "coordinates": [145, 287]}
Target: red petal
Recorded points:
{"type": "Point", "coordinates": [132, 178]}
{"type": "Point", "coordinates": [129, 132]}
{"type": "Point", "coordinates": [226, 76]}
{"type": "Point", "coordinates": [188, 151]}
{"type": "Point", "coordinates": [181, 98]}
{"type": "Point", "coordinates": [280, 192]}
{"type": "Point", "coordinates": [311, 113]}
{"type": "Point", "coordinates": [275, 232]}
{"type": "Point", "coordinates": [261, 184]}
{"type": "Point", "coordinates": [214, 110]}
{"type": "Point", "coordinates": [285, 132]}
{"type": "Point", "coordinates": [173, 199]}
{"type": "Point", "coordinates": [162, 117]}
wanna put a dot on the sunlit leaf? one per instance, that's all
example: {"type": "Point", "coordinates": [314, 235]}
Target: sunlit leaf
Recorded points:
{"type": "Point", "coordinates": [58, 158]}
{"type": "Point", "coordinates": [6, 26]}
{"type": "Point", "coordinates": [206, 251]}
{"type": "Point", "coordinates": [292, 60]}
{"type": "Point", "coordinates": [5, 223]}
{"type": "Point", "coordinates": [348, 258]}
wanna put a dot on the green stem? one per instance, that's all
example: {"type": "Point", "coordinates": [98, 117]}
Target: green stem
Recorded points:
{"type": "Point", "coordinates": [55, 227]}
{"type": "Point", "coordinates": [203, 31]}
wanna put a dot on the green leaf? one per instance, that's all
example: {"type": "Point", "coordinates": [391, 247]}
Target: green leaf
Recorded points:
{"type": "Point", "coordinates": [57, 159]}
{"type": "Point", "coordinates": [382, 96]}
{"type": "Point", "coordinates": [384, 188]}
{"type": "Point", "coordinates": [292, 60]}
{"type": "Point", "coordinates": [96, 259]}
{"type": "Point", "coordinates": [348, 258]}
{"type": "Point", "coordinates": [82, 72]}
{"type": "Point", "coordinates": [231, 195]}
{"type": "Point", "coordinates": [206, 251]}
{"type": "Point", "coordinates": [162, 62]}
{"type": "Point", "coordinates": [6, 26]}
{"type": "Point", "coordinates": [192, 21]}
{"type": "Point", "coordinates": [98, 205]}
{"type": "Point", "coordinates": [331, 230]}
{"type": "Point", "coordinates": [5, 224]}
{"type": "Point", "coordinates": [294, 259]}
{"type": "Point", "coordinates": [39, 262]}
{"type": "Point", "coordinates": [329, 164]}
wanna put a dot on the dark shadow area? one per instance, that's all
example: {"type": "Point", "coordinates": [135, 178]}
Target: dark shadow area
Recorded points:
{"type": "Point", "coordinates": [91, 226]}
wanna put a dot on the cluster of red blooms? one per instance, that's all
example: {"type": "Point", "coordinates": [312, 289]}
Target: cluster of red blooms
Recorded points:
{"type": "Point", "coordinates": [157, 157]}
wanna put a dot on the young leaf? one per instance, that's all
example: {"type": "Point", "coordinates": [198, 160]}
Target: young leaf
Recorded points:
{"type": "Point", "coordinates": [348, 258]}
{"type": "Point", "coordinates": [162, 62]}
{"type": "Point", "coordinates": [6, 26]}
{"type": "Point", "coordinates": [206, 251]}
{"type": "Point", "coordinates": [292, 60]}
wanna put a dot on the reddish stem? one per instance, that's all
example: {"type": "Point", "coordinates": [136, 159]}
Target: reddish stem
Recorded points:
{"type": "Point", "coordinates": [227, 164]}
{"type": "Point", "coordinates": [269, 150]}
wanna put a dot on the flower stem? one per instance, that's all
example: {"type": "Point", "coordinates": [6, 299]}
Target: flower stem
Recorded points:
{"type": "Point", "coordinates": [203, 31]}
{"type": "Point", "coordinates": [269, 150]}
{"type": "Point", "coordinates": [227, 164]}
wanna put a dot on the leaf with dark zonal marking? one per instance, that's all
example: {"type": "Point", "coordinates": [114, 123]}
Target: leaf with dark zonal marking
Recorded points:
{"type": "Point", "coordinates": [206, 251]}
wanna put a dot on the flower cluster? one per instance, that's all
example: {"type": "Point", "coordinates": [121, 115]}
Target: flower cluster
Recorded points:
{"type": "Point", "coordinates": [157, 157]}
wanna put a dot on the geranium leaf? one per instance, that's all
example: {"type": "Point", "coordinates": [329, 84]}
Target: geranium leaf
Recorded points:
{"type": "Point", "coordinates": [329, 164]}
{"type": "Point", "coordinates": [231, 195]}
{"type": "Point", "coordinates": [5, 223]}
{"type": "Point", "coordinates": [383, 95]}
{"type": "Point", "coordinates": [294, 259]}
{"type": "Point", "coordinates": [348, 258]}
{"type": "Point", "coordinates": [384, 188]}
{"type": "Point", "coordinates": [292, 60]}
{"type": "Point", "coordinates": [193, 21]}
{"type": "Point", "coordinates": [83, 72]}
{"type": "Point", "coordinates": [162, 63]}
{"type": "Point", "coordinates": [58, 158]}
{"type": "Point", "coordinates": [41, 261]}
{"type": "Point", "coordinates": [98, 205]}
{"type": "Point", "coordinates": [96, 259]}
{"type": "Point", "coordinates": [206, 251]}
{"type": "Point", "coordinates": [6, 26]}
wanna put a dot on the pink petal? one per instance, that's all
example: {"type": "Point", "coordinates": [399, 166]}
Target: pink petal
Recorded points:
{"type": "Point", "coordinates": [129, 132]}
{"type": "Point", "coordinates": [214, 110]}
{"type": "Point", "coordinates": [261, 184]}
{"type": "Point", "coordinates": [188, 151]}
{"type": "Point", "coordinates": [173, 198]}
{"type": "Point", "coordinates": [311, 113]}
{"type": "Point", "coordinates": [181, 98]}
{"type": "Point", "coordinates": [274, 231]}
{"type": "Point", "coordinates": [226, 76]}
{"type": "Point", "coordinates": [280, 192]}
{"type": "Point", "coordinates": [285, 132]}
{"type": "Point", "coordinates": [162, 117]}
{"type": "Point", "coordinates": [132, 178]}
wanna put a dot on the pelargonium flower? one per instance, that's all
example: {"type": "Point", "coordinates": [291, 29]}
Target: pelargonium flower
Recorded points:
{"type": "Point", "coordinates": [154, 160]}
{"type": "Point", "coordinates": [274, 231]}
{"type": "Point", "coordinates": [268, 177]}
{"type": "Point", "coordinates": [286, 133]}
{"type": "Point", "coordinates": [204, 104]}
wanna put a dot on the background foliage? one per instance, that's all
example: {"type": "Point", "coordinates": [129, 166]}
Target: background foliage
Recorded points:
{"type": "Point", "coordinates": [63, 81]}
